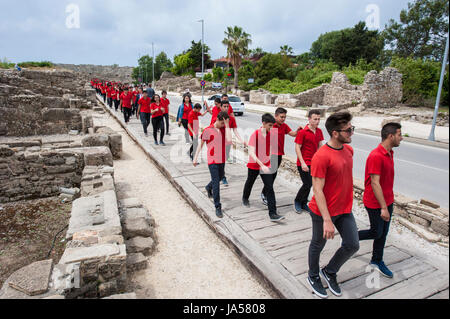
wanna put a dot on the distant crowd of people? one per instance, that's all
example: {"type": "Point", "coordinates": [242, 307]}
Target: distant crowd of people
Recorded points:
{"type": "Point", "coordinates": [327, 168]}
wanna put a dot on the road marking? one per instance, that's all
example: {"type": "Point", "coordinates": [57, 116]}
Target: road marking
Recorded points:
{"type": "Point", "coordinates": [409, 162]}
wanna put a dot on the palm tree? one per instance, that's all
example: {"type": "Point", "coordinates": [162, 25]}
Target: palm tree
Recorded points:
{"type": "Point", "coordinates": [286, 50]}
{"type": "Point", "coordinates": [237, 42]}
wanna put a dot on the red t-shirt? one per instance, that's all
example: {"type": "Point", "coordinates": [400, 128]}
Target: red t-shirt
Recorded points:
{"type": "Point", "coordinates": [165, 103]}
{"type": "Point", "coordinates": [109, 91]}
{"type": "Point", "coordinates": [215, 141]}
{"type": "Point", "coordinates": [262, 149]}
{"type": "Point", "coordinates": [145, 104]}
{"type": "Point", "coordinates": [193, 121]}
{"type": "Point", "coordinates": [158, 113]}
{"type": "Point", "coordinates": [103, 88]}
{"type": "Point", "coordinates": [114, 94]}
{"type": "Point", "coordinates": [379, 162]}
{"type": "Point", "coordinates": [336, 166]}
{"type": "Point", "coordinates": [187, 109]}
{"type": "Point", "coordinates": [216, 111]}
{"type": "Point", "coordinates": [281, 130]}
{"type": "Point", "coordinates": [126, 99]}
{"type": "Point", "coordinates": [309, 142]}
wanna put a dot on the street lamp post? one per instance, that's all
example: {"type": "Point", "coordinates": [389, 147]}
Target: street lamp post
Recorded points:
{"type": "Point", "coordinates": [153, 67]}
{"type": "Point", "coordinates": [438, 98]}
{"type": "Point", "coordinates": [203, 59]}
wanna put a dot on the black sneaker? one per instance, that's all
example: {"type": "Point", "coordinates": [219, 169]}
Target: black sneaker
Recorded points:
{"type": "Point", "coordinates": [245, 202]}
{"type": "Point", "coordinates": [298, 207]}
{"type": "Point", "coordinates": [331, 280]}
{"type": "Point", "coordinates": [210, 194]}
{"type": "Point", "coordinates": [276, 218]}
{"type": "Point", "coordinates": [219, 212]}
{"type": "Point", "coordinates": [264, 199]}
{"type": "Point", "coordinates": [316, 285]}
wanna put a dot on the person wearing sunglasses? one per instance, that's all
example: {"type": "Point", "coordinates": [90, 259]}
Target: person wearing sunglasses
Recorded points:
{"type": "Point", "coordinates": [331, 205]}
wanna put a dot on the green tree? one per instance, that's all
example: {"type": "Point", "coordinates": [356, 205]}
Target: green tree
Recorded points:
{"type": "Point", "coordinates": [196, 54]}
{"type": "Point", "coordinates": [257, 53]}
{"type": "Point", "coordinates": [421, 32]}
{"type": "Point", "coordinates": [271, 66]}
{"type": "Point", "coordinates": [237, 42]}
{"type": "Point", "coordinates": [184, 64]}
{"type": "Point", "coordinates": [247, 71]}
{"type": "Point", "coordinates": [162, 64]}
{"type": "Point", "coordinates": [144, 69]}
{"type": "Point", "coordinates": [349, 45]}
{"type": "Point", "coordinates": [286, 50]}
{"type": "Point", "coordinates": [217, 74]}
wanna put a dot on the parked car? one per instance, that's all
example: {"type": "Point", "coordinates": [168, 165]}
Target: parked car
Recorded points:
{"type": "Point", "coordinates": [235, 102]}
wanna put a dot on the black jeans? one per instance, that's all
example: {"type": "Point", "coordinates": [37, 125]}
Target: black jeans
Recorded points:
{"type": "Point", "coordinates": [275, 163]}
{"type": "Point", "coordinates": [116, 104]}
{"type": "Point", "coordinates": [157, 123]}
{"type": "Point", "coordinates": [104, 97]}
{"type": "Point", "coordinates": [348, 231]}
{"type": "Point", "coordinates": [217, 172]}
{"type": "Point", "coordinates": [303, 192]}
{"type": "Point", "coordinates": [145, 120]}
{"type": "Point", "coordinates": [268, 185]}
{"type": "Point", "coordinates": [110, 102]}
{"type": "Point", "coordinates": [378, 231]}
{"type": "Point", "coordinates": [166, 119]}
{"type": "Point", "coordinates": [186, 132]}
{"type": "Point", "coordinates": [127, 114]}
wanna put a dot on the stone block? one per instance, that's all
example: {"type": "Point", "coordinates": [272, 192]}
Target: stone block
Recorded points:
{"type": "Point", "coordinates": [95, 140]}
{"type": "Point", "coordinates": [130, 295]}
{"type": "Point", "coordinates": [115, 144]}
{"type": "Point", "coordinates": [135, 213]}
{"type": "Point", "coordinates": [136, 262]}
{"type": "Point", "coordinates": [137, 227]}
{"type": "Point", "coordinates": [33, 279]}
{"type": "Point", "coordinates": [87, 237]}
{"type": "Point", "coordinates": [440, 226]}
{"type": "Point", "coordinates": [83, 254]}
{"type": "Point", "coordinates": [419, 230]}
{"type": "Point", "coordinates": [130, 203]}
{"type": "Point", "coordinates": [419, 220]}
{"type": "Point", "coordinates": [429, 203]}
{"type": "Point", "coordinates": [140, 245]}
{"type": "Point", "coordinates": [107, 289]}
{"type": "Point", "coordinates": [98, 156]}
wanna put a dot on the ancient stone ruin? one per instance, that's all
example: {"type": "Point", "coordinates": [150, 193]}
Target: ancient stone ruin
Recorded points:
{"type": "Point", "coordinates": [107, 72]}
{"type": "Point", "coordinates": [50, 145]}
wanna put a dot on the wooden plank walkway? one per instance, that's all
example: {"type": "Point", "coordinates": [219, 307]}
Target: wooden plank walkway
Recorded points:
{"type": "Point", "coordinates": [278, 252]}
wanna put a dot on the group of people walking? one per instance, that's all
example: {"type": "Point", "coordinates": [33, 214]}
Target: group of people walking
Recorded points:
{"type": "Point", "coordinates": [327, 168]}
{"type": "Point", "coordinates": [141, 101]}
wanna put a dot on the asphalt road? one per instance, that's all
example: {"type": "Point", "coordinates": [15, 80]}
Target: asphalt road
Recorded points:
{"type": "Point", "coordinates": [420, 171]}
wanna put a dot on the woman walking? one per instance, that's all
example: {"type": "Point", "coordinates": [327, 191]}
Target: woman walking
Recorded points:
{"type": "Point", "coordinates": [144, 111]}
{"type": "Point", "coordinates": [183, 115]}
{"type": "Point", "coordinates": [165, 102]}
{"type": "Point", "coordinates": [157, 111]}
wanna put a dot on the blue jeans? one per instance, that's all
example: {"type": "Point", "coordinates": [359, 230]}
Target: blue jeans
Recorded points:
{"type": "Point", "coordinates": [378, 231]}
{"type": "Point", "coordinates": [348, 231]}
{"type": "Point", "coordinates": [217, 172]}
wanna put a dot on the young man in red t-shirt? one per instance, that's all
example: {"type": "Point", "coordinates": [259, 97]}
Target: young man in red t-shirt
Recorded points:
{"type": "Point", "coordinates": [379, 193]}
{"type": "Point", "coordinates": [259, 164]}
{"type": "Point", "coordinates": [165, 102]}
{"type": "Point", "coordinates": [125, 103]}
{"type": "Point", "coordinates": [109, 95]}
{"type": "Point", "coordinates": [307, 142]}
{"type": "Point", "coordinates": [215, 137]}
{"type": "Point", "coordinates": [157, 111]}
{"type": "Point", "coordinates": [144, 111]}
{"type": "Point", "coordinates": [280, 129]}
{"type": "Point", "coordinates": [331, 205]}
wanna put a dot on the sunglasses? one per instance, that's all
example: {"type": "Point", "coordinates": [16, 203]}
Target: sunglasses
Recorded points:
{"type": "Point", "coordinates": [349, 130]}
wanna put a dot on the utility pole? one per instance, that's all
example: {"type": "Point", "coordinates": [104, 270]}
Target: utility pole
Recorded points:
{"type": "Point", "coordinates": [153, 67]}
{"type": "Point", "coordinates": [438, 98]}
{"type": "Point", "coordinates": [203, 58]}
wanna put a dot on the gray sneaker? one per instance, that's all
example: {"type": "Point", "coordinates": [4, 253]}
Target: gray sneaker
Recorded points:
{"type": "Point", "coordinates": [276, 218]}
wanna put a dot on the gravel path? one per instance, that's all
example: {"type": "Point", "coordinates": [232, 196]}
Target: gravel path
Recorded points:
{"type": "Point", "coordinates": [190, 261]}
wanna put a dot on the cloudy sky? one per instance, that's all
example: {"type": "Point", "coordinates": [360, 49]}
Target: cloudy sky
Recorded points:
{"type": "Point", "coordinates": [117, 32]}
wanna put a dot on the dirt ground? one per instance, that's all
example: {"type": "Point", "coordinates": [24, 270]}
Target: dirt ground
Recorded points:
{"type": "Point", "coordinates": [190, 261]}
{"type": "Point", "coordinates": [27, 229]}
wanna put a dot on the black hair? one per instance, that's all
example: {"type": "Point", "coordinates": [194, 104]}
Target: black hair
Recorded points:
{"type": "Point", "coordinates": [217, 100]}
{"type": "Point", "coordinates": [153, 98]}
{"type": "Point", "coordinates": [223, 116]}
{"type": "Point", "coordinates": [312, 112]}
{"type": "Point", "coordinates": [184, 96]}
{"type": "Point", "coordinates": [280, 110]}
{"type": "Point", "coordinates": [268, 118]}
{"type": "Point", "coordinates": [388, 129]}
{"type": "Point", "coordinates": [164, 91]}
{"type": "Point", "coordinates": [222, 103]}
{"type": "Point", "coordinates": [197, 106]}
{"type": "Point", "coordinates": [224, 95]}
{"type": "Point", "coordinates": [336, 121]}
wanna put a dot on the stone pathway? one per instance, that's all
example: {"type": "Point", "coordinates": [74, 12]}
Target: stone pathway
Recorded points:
{"type": "Point", "coordinates": [278, 252]}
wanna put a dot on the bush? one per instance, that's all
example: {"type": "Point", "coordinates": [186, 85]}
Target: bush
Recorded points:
{"type": "Point", "coordinates": [217, 74]}
{"type": "Point", "coordinates": [420, 80]}
{"type": "Point", "coordinates": [42, 64]}
{"type": "Point", "coordinates": [208, 77]}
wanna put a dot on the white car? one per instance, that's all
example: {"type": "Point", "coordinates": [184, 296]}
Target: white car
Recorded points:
{"type": "Point", "coordinates": [235, 102]}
